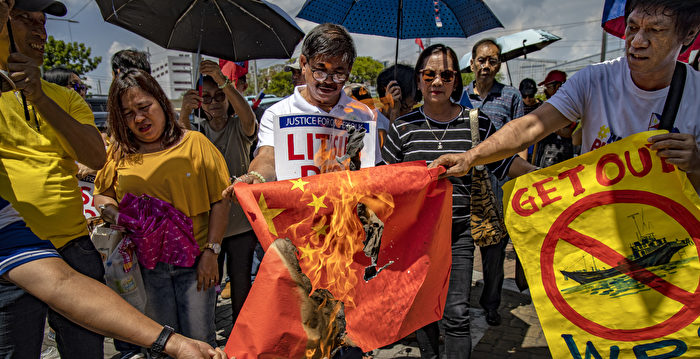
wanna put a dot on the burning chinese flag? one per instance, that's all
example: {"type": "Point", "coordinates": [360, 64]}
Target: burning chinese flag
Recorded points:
{"type": "Point", "coordinates": [374, 249]}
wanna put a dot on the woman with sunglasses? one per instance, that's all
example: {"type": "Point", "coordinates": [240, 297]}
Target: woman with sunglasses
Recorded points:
{"type": "Point", "coordinates": [67, 78]}
{"type": "Point", "coordinates": [151, 154]}
{"type": "Point", "coordinates": [438, 127]}
{"type": "Point", "coordinates": [230, 124]}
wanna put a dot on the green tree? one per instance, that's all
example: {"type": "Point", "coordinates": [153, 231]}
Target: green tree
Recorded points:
{"type": "Point", "coordinates": [280, 84]}
{"type": "Point", "coordinates": [73, 55]}
{"type": "Point", "coordinates": [365, 70]}
{"type": "Point", "coordinates": [467, 78]}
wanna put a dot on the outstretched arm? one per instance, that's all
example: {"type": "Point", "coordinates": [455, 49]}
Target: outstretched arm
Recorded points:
{"type": "Point", "coordinates": [512, 138]}
{"type": "Point", "coordinates": [83, 300]}
{"type": "Point", "coordinates": [263, 163]}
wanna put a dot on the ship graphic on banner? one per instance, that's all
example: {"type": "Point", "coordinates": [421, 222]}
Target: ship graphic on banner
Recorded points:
{"type": "Point", "coordinates": [648, 252]}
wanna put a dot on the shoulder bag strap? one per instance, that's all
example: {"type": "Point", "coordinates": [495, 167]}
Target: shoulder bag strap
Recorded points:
{"type": "Point", "coordinates": [474, 129]}
{"type": "Point", "coordinates": [673, 99]}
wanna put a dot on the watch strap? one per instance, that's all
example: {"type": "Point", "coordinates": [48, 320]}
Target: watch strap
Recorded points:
{"type": "Point", "coordinates": [158, 346]}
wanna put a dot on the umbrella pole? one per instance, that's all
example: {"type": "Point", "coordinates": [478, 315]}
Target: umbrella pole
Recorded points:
{"type": "Point", "coordinates": [398, 36]}
{"type": "Point", "coordinates": [13, 48]}
{"type": "Point", "coordinates": [509, 78]}
{"type": "Point", "coordinates": [198, 60]}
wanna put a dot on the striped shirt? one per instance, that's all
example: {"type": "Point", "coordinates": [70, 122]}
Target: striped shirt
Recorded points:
{"type": "Point", "coordinates": [502, 104]}
{"type": "Point", "coordinates": [416, 137]}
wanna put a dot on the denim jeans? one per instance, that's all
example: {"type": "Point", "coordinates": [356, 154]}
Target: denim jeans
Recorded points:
{"type": "Point", "coordinates": [173, 299]}
{"type": "Point", "coordinates": [492, 259]}
{"type": "Point", "coordinates": [72, 340]}
{"type": "Point", "coordinates": [239, 250]}
{"type": "Point", "coordinates": [455, 318]}
{"type": "Point", "coordinates": [22, 318]}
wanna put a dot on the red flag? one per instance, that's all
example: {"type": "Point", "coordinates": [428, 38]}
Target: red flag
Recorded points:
{"type": "Point", "coordinates": [233, 70]}
{"type": "Point", "coordinates": [329, 218]}
{"type": "Point", "coordinates": [420, 44]}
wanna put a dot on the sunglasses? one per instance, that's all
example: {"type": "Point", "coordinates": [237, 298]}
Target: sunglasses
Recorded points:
{"type": "Point", "coordinates": [446, 76]}
{"type": "Point", "coordinates": [218, 97]}
{"type": "Point", "coordinates": [528, 96]}
{"type": "Point", "coordinates": [78, 87]}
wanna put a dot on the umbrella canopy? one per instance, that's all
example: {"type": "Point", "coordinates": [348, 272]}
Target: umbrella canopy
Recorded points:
{"type": "Point", "coordinates": [516, 45]}
{"type": "Point", "coordinates": [613, 22]}
{"type": "Point", "coordinates": [236, 30]}
{"type": "Point", "coordinates": [404, 19]}
{"type": "Point", "coordinates": [418, 18]}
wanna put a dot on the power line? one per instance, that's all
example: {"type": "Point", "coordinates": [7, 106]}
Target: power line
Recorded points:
{"type": "Point", "coordinates": [88, 2]}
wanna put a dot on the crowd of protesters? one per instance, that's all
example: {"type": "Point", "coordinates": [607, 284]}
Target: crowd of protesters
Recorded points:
{"type": "Point", "coordinates": [51, 269]}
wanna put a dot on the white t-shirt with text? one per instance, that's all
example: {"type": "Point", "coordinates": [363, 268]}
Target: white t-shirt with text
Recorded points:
{"type": "Point", "coordinates": [346, 108]}
{"type": "Point", "coordinates": [612, 107]}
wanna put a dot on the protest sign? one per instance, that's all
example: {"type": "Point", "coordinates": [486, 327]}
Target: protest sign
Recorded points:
{"type": "Point", "coordinates": [87, 189]}
{"type": "Point", "coordinates": [304, 142]}
{"type": "Point", "coordinates": [377, 239]}
{"type": "Point", "coordinates": [609, 245]}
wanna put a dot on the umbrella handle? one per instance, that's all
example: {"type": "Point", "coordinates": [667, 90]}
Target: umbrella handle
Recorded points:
{"type": "Point", "coordinates": [13, 48]}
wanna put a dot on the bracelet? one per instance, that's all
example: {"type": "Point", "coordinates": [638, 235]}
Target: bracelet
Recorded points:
{"type": "Point", "coordinates": [228, 82]}
{"type": "Point", "coordinates": [257, 175]}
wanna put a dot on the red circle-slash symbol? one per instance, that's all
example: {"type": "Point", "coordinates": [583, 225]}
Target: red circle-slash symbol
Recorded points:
{"type": "Point", "coordinates": [560, 230]}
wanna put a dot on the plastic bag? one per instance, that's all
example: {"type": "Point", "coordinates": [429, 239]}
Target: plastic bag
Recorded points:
{"type": "Point", "coordinates": [105, 240]}
{"type": "Point", "coordinates": [126, 279]}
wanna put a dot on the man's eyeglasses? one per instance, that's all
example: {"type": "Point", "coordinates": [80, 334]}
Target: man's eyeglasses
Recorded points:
{"type": "Point", "coordinates": [218, 97]}
{"type": "Point", "coordinates": [528, 96]}
{"type": "Point", "coordinates": [78, 87]}
{"type": "Point", "coordinates": [338, 77]}
{"type": "Point", "coordinates": [446, 76]}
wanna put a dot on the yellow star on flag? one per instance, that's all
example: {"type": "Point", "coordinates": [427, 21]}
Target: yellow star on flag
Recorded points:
{"type": "Point", "coordinates": [317, 202]}
{"type": "Point", "coordinates": [299, 183]}
{"type": "Point", "coordinates": [269, 214]}
{"type": "Point", "coordinates": [320, 229]}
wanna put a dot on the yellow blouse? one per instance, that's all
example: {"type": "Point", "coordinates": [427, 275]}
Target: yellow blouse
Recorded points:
{"type": "Point", "coordinates": [190, 175]}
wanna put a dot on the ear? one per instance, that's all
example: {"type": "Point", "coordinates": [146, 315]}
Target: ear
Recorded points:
{"type": "Point", "coordinates": [302, 63]}
{"type": "Point", "coordinates": [690, 37]}
{"type": "Point", "coordinates": [472, 65]}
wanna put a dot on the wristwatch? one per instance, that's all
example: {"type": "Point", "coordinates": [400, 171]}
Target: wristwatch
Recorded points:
{"type": "Point", "coordinates": [215, 247]}
{"type": "Point", "coordinates": [158, 346]}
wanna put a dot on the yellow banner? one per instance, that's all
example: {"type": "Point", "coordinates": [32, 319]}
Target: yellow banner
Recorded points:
{"type": "Point", "coordinates": [609, 244]}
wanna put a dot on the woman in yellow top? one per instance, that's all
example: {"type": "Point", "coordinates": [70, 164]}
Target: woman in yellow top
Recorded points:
{"type": "Point", "coordinates": [151, 154]}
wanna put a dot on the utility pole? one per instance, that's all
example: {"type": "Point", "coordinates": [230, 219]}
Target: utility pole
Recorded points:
{"type": "Point", "coordinates": [99, 87]}
{"type": "Point", "coordinates": [69, 21]}
{"type": "Point", "coordinates": [603, 46]}
{"type": "Point", "coordinates": [255, 76]}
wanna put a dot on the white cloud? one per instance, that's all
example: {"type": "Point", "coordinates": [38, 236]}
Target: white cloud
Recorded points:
{"type": "Point", "coordinates": [116, 47]}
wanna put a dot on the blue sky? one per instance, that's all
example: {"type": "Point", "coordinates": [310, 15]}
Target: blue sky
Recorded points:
{"type": "Point", "coordinates": [576, 21]}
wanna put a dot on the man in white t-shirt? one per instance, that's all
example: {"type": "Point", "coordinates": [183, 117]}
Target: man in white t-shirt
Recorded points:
{"type": "Point", "coordinates": [617, 98]}
{"type": "Point", "coordinates": [326, 59]}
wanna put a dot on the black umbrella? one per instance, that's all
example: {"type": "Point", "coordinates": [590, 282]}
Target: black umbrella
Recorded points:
{"type": "Point", "coordinates": [236, 30]}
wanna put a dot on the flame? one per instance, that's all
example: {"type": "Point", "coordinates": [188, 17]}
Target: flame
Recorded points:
{"type": "Point", "coordinates": [327, 258]}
